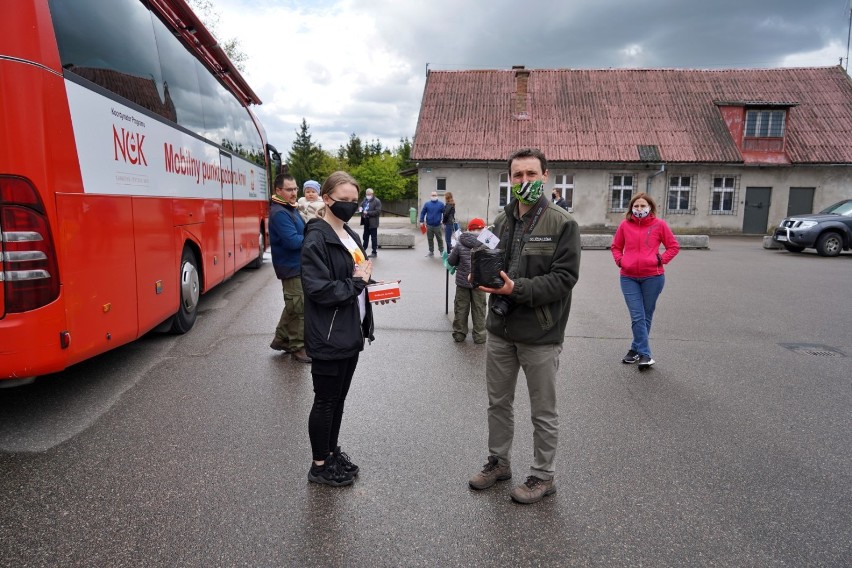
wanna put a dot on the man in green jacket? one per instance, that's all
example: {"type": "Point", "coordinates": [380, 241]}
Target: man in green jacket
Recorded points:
{"type": "Point", "coordinates": [526, 323]}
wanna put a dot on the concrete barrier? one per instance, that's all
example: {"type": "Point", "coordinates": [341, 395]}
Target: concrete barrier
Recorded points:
{"type": "Point", "coordinates": [404, 238]}
{"type": "Point", "coordinates": [595, 242]}
{"type": "Point", "coordinates": [693, 241]}
{"type": "Point", "coordinates": [602, 242]}
{"type": "Point", "coordinates": [401, 238]}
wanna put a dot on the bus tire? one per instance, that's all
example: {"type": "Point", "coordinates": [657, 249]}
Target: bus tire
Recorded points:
{"type": "Point", "coordinates": [261, 246]}
{"type": "Point", "coordinates": [190, 291]}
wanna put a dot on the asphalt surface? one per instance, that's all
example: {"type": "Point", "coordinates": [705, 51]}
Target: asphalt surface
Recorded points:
{"type": "Point", "coordinates": [734, 450]}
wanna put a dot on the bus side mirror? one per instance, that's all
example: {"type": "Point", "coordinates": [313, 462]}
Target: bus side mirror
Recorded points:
{"type": "Point", "coordinates": [274, 156]}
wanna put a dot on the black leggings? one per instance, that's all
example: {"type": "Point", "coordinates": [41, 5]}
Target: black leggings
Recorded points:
{"type": "Point", "coordinates": [331, 384]}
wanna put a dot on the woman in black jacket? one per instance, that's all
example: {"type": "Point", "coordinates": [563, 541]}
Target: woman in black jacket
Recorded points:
{"type": "Point", "coordinates": [338, 319]}
{"type": "Point", "coordinates": [449, 219]}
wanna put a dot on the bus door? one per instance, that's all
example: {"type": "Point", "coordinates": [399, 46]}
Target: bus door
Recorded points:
{"type": "Point", "coordinates": [228, 233]}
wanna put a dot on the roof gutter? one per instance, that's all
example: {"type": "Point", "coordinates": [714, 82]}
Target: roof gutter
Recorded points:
{"type": "Point", "coordinates": [652, 176]}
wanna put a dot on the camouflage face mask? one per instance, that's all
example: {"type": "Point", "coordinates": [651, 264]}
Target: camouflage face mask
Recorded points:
{"type": "Point", "coordinates": [527, 192]}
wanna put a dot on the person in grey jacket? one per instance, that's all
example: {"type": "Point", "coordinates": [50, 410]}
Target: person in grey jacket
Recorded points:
{"type": "Point", "coordinates": [469, 300]}
{"type": "Point", "coordinates": [371, 210]}
{"type": "Point", "coordinates": [526, 324]}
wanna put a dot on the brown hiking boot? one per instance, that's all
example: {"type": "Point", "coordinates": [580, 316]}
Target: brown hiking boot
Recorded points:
{"type": "Point", "coordinates": [280, 345]}
{"type": "Point", "coordinates": [491, 473]}
{"type": "Point", "coordinates": [533, 490]}
{"type": "Point", "coordinates": [301, 356]}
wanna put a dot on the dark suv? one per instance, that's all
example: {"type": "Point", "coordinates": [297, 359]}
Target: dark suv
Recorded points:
{"type": "Point", "coordinates": [829, 231]}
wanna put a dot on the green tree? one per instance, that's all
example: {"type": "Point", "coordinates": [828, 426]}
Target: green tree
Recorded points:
{"type": "Point", "coordinates": [404, 149]}
{"type": "Point", "coordinates": [353, 152]}
{"type": "Point", "coordinates": [374, 148]}
{"type": "Point", "coordinates": [403, 155]}
{"type": "Point", "coordinates": [381, 172]}
{"type": "Point", "coordinates": [329, 164]}
{"type": "Point", "coordinates": [305, 158]}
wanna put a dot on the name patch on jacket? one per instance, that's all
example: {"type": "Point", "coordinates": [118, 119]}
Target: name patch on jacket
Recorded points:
{"type": "Point", "coordinates": [539, 239]}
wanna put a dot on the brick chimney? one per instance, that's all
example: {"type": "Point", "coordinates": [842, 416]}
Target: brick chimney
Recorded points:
{"type": "Point", "coordinates": [522, 76]}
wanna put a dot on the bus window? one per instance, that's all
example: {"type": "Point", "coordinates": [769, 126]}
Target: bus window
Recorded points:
{"type": "Point", "coordinates": [121, 58]}
{"type": "Point", "coordinates": [218, 121]}
{"type": "Point", "coordinates": [180, 79]}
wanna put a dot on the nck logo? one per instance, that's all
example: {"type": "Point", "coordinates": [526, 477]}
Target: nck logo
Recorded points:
{"type": "Point", "coordinates": [129, 145]}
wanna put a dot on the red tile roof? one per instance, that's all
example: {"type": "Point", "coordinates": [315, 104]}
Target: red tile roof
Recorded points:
{"type": "Point", "coordinates": [603, 115]}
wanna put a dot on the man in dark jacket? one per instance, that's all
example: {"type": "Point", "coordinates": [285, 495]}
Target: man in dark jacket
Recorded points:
{"type": "Point", "coordinates": [286, 233]}
{"type": "Point", "coordinates": [558, 199]}
{"type": "Point", "coordinates": [526, 323]}
{"type": "Point", "coordinates": [371, 209]}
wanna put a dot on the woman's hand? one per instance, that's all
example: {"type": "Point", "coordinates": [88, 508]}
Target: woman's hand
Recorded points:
{"type": "Point", "coordinates": [364, 270]}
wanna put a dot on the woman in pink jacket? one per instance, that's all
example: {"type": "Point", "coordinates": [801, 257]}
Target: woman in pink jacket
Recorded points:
{"type": "Point", "coordinates": [636, 250]}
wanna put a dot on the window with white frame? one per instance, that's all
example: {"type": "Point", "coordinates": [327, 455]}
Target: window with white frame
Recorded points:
{"type": "Point", "coordinates": [504, 190]}
{"type": "Point", "coordinates": [621, 191]}
{"type": "Point", "coordinates": [765, 123]}
{"type": "Point", "coordinates": [680, 194]}
{"type": "Point", "coordinates": [723, 197]}
{"type": "Point", "coordinates": [565, 184]}
{"type": "Point", "coordinates": [441, 184]}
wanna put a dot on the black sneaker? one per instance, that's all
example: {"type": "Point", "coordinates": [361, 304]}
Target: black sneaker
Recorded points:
{"type": "Point", "coordinates": [329, 473]}
{"type": "Point", "coordinates": [630, 358]}
{"type": "Point", "coordinates": [345, 463]}
{"type": "Point", "coordinates": [645, 362]}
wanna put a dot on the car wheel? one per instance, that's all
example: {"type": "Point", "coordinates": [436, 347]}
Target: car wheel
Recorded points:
{"type": "Point", "coordinates": [829, 244]}
{"type": "Point", "coordinates": [190, 290]}
{"type": "Point", "coordinates": [793, 248]}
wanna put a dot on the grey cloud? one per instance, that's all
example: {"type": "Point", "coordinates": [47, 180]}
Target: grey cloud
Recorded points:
{"type": "Point", "coordinates": [564, 33]}
{"type": "Point", "coordinates": [590, 34]}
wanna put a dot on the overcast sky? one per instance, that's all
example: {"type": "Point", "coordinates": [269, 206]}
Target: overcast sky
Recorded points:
{"type": "Point", "coordinates": [360, 65]}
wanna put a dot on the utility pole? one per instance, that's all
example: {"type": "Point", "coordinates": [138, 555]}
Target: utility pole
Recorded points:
{"type": "Point", "coordinates": [848, 36]}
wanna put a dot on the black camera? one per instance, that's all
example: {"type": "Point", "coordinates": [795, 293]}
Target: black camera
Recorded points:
{"type": "Point", "coordinates": [501, 305]}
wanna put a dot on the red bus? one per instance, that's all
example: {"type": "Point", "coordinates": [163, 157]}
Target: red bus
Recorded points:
{"type": "Point", "coordinates": [133, 176]}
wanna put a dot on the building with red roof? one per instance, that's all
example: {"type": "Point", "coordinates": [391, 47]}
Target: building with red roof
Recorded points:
{"type": "Point", "coordinates": [721, 151]}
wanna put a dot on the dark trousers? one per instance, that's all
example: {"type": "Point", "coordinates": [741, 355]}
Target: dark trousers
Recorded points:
{"type": "Point", "coordinates": [331, 384]}
{"type": "Point", "coordinates": [368, 234]}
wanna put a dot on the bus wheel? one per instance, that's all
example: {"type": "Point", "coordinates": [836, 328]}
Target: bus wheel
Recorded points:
{"type": "Point", "coordinates": [190, 290]}
{"type": "Point", "coordinates": [261, 245]}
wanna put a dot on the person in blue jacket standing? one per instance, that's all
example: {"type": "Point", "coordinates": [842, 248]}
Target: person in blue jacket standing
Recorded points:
{"type": "Point", "coordinates": [433, 215]}
{"type": "Point", "coordinates": [286, 234]}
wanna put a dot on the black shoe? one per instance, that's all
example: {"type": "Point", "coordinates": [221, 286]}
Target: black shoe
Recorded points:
{"type": "Point", "coordinates": [374, 255]}
{"type": "Point", "coordinates": [329, 473]}
{"type": "Point", "coordinates": [345, 463]}
{"type": "Point", "coordinates": [630, 358]}
{"type": "Point", "coordinates": [430, 254]}
{"type": "Point", "coordinates": [645, 362]}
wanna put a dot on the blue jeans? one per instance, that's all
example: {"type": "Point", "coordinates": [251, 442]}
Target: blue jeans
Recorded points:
{"type": "Point", "coordinates": [641, 295]}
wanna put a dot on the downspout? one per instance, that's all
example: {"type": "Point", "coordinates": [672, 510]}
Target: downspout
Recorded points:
{"type": "Point", "coordinates": [652, 176]}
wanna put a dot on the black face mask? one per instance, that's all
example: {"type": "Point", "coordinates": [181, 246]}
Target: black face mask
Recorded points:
{"type": "Point", "coordinates": [343, 210]}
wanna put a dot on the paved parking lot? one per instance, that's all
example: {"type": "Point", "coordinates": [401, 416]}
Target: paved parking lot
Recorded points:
{"type": "Point", "coordinates": [734, 450]}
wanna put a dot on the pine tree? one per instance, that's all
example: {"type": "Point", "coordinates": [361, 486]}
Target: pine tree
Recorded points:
{"type": "Point", "coordinates": [305, 157]}
{"type": "Point", "coordinates": [354, 151]}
